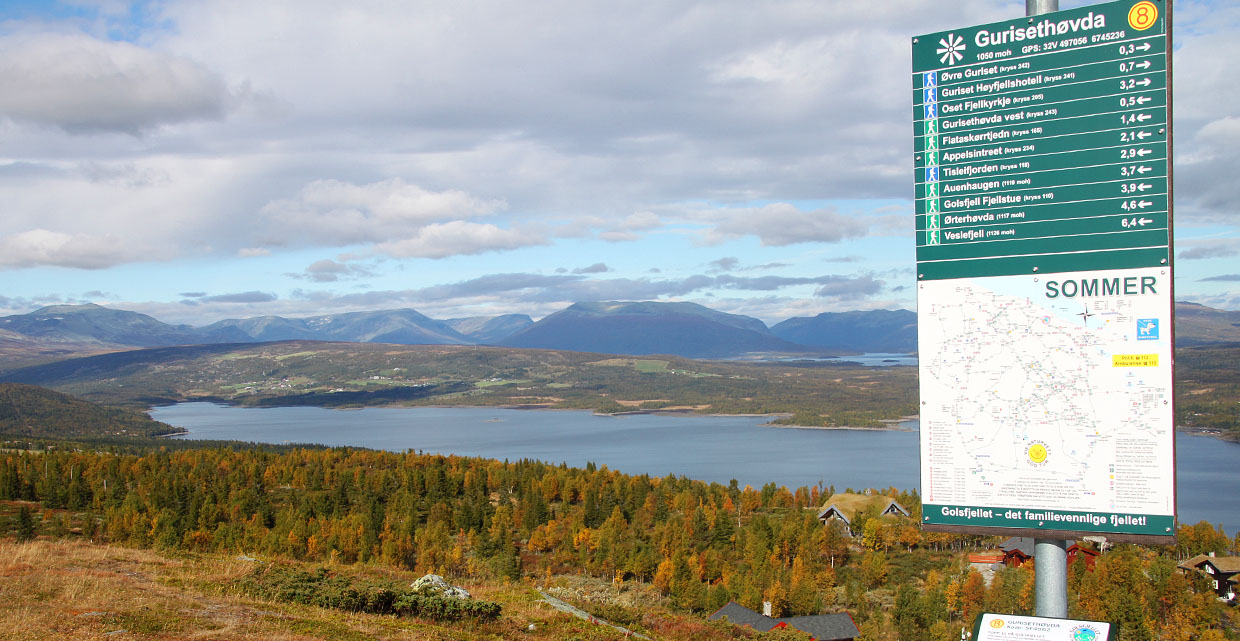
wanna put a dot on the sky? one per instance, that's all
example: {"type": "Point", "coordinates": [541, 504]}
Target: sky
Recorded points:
{"type": "Point", "coordinates": [214, 159]}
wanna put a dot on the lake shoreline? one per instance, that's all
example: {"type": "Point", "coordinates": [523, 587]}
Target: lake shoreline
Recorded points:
{"type": "Point", "coordinates": [713, 448]}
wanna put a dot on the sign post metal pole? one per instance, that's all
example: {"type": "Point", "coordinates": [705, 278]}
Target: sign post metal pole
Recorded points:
{"type": "Point", "coordinates": [1051, 578]}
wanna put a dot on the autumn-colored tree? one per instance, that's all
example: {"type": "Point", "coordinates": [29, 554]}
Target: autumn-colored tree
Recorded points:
{"type": "Point", "coordinates": [972, 596]}
{"type": "Point", "coordinates": [874, 568]}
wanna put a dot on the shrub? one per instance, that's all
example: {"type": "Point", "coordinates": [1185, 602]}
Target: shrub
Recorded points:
{"type": "Point", "coordinates": [325, 589]}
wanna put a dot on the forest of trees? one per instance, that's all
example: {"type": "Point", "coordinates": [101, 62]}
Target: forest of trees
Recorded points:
{"type": "Point", "coordinates": [699, 544]}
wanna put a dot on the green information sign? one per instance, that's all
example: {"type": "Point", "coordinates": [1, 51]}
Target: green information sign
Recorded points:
{"type": "Point", "coordinates": [1041, 144]}
{"type": "Point", "coordinates": [1042, 163]}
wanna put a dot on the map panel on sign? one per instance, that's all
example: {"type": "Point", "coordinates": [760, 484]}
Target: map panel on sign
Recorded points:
{"type": "Point", "coordinates": [1046, 392]}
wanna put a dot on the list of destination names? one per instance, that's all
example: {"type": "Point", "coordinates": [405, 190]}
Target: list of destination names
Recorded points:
{"type": "Point", "coordinates": [1047, 146]}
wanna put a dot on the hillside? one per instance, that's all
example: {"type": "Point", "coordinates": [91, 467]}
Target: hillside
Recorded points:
{"type": "Point", "coordinates": [876, 331]}
{"type": "Point", "coordinates": [1208, 389]}
{"type": "Point", "coordinates": [490, 329]}
{"type": "Point", "coordinates": [355, 374]}
{"type": "Point", "coordinates": [639, 328]}
{"type": "Point", "coordinates": [112, 591]}
{"type": "Point", "coordinates": [398, 326]}
{"type": "Point", "coordinates": [96, 324]}
{"type": "Point", "coordinates": [1200, 325]}
{"type": "Point", "coordinates": [31, 411]}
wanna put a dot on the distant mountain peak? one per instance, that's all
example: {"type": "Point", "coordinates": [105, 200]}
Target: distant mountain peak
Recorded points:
{"type": "Point", "coordinates": [72, 309]}
{"type": "Point", "coordinates": [877, 330]}
{"type": "Point", "coordinates": [650, 327]}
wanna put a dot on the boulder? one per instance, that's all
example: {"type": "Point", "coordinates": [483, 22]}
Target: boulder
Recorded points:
{"type": "Point", "coordinates": [435, 585]}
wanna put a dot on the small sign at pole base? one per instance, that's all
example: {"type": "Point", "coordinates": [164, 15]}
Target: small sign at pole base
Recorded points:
{"type": "Point", "coordinates": [1011, 627]}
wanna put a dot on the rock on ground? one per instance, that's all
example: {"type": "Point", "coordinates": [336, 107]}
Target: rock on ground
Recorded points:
{"type": "Point", "coordinates": [435, 585]}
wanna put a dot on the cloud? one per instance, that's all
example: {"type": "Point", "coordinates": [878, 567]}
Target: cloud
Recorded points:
{"type": "Point", "coordinates": [1223, 278]}
{"type": "Point", "coordinates": [596, 268]}
{"type": "Point", "coordinates": [328, 271]}
{"type": "Point", "coordinates": [253, 252]}
{"type": "Point", "coordinates": [782, 224]}
{"type": "Point", "coordinates": [45, 247]}
{"type": "Point", "coordinates": [82, 85]}
{"type": "Point", "coordinates": [630, 227]}
{"type": "Point", "coordinates": [192, 294]}
{"type": "Point", "coordinates": [843, 288]}
{"type": "Point", "coordinates": [441, 240]}
{"type": "Point", "coordinates": [725, 264]}
{"type": "Point", "coordinates": [567, 288]}
{"type": "Point", "coordinates": [242, 297]}
{"type": "Point", "coordinates": [401, 219]}
{"type": "Point", "coordinates": [1212, 248]}
{"type": "Point", "coordinates": [338, 212]}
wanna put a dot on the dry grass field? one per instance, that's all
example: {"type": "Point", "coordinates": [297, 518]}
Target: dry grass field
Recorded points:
{"type": "Point", "coordinates": [67, 590]}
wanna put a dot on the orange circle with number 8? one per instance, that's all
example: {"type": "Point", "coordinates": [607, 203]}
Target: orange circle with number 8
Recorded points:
{"type": "Point", "coordinates": [1143, 15]}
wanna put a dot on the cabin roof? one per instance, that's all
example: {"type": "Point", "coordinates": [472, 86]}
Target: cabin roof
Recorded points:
{"type": "Point", "coordinates": [741, 615]}
{"type": "Point", "coordinates": [848, 506]}
{"type": "Point", "coordinates": [833, 511]}
{"type": "Point", "coordinates": [1193, 563]}
{"type": "Point", "coordinates": [1224, 564]}
{"type": "Point", "coordinates": [1022, 544]}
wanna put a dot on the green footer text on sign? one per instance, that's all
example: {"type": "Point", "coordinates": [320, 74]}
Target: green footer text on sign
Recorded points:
{"type": "Point", "coordinates": [1025, 518]}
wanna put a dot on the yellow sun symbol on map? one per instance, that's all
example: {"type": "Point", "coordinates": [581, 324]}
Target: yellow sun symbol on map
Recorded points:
{"type": "Point", "coordinates": [1037, 453]}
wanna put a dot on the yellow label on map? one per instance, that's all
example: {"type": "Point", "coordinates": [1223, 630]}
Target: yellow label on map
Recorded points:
{"type": "Point", "coordinates": [1134, 360]}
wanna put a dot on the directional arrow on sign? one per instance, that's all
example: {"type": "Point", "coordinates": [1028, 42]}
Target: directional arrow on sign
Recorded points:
{"type": "Point", "coordinates": [1142, 135]}
{"type": "Point", "coordinates": [1144, 152]}
{"type": "Point", "coordinates": [1144, 83]}
{"type": "Point", "coordinates": [1143, 204]}
{"type": "Point", "coordinates": [1142, 169]}
{"type": "Point", "coordinates": [1143, 65]}
{"type": "Point", "coordinates": [1144, 186]}
{"type": "Point", "coordinates": [1143, 117]}
{"type": "Point", "coordinates": [1144, 221]}
{"type": "Point", "coordinates": [1144, 47]}
{"type": "Point", "coordinates": [1143, 99]}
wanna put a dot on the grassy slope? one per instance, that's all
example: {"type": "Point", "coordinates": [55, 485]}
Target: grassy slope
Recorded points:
{"type": "Point", "coordinates": [66, 590]}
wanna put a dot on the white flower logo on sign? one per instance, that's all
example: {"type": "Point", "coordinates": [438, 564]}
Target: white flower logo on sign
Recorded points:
{"type": "Point", "coordinates": [949, 52]}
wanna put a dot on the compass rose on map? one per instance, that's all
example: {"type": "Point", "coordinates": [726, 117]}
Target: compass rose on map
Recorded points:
{"type": "Point", "coordinates": [949, 51]}
{"type": "Point", "coordinates": [1085, 316]}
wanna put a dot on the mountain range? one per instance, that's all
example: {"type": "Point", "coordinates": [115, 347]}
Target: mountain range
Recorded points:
{"type": "Point", "coordinates": [683, 329]}
{"type": "Point", "coordinates": [635, 328]}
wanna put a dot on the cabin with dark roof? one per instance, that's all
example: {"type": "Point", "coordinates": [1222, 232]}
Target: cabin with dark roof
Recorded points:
{"type": "Point", "coordinates": [844, 508]}
{"type": "Point", "coordinates": [834, 513]}
{"type": "Point", "coordinates": [1223, 572]}
{"type": "Point", "coordinates": [738, 614]}
{"type": "Point", "coordinates": [820, 627]}
{"type": "Point", "coordinates": [894, 509]}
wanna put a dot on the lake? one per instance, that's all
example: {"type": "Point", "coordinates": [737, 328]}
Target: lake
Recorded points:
{"type": "Point", "coordinates": [707, 448]}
